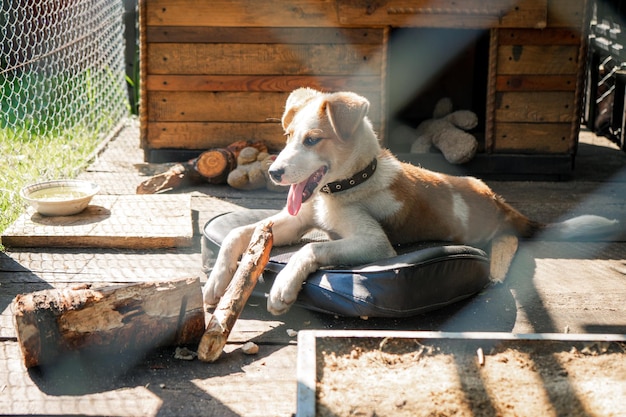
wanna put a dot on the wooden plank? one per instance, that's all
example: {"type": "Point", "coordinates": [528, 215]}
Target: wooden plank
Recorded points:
{"type": "Point", "coordinates": [58, 266]}
{"type": "Point", "coordinates": [206, 34]}
{"type": "Point", "coordinates": [306, 374]}
{"type": "Point", "coordinates": [205, 106]}
{"type": "Point", "coordinates": [539, 37]}
{"type": "Point", "coordinates": [533, 138]}
{"type": "Point", "coordinates": [536, 107]}
{"type": "Point", "coordinates": [312, 13]}
{"type": "Point", "coordinates": [209, 106]}
{"type": "Point", "coordinates": [271, 376]}
{"type": "Point", "coordinates": [298, 13]}
{"type": "Point", "coordinates": [568, 13]}
{"type": "Point", "coordinates": [124, 221]}
{"type": "Point", "coordinates": [537, 59]}
{"type": "Point", "coordinates": [524, 82]}
{"type": "Point", "coordinates": [265, 83]}
{"type": "Point", "coordinates": [254, 59]}
{"type": "Point", "coordinates": [154, 385]}
{"type": "Point", "coordinates": [445, 13]}
{"type": "Point", "coordinates": [207, 135]}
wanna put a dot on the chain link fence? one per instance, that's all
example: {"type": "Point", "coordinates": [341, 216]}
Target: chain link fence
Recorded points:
{"type": "Point", "coordinates": [62, 68]}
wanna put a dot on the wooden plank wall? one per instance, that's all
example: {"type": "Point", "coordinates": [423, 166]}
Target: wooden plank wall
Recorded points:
{"type": "Point", "coordinates": [537, 77]}
{"type": "Point", "coordinates": [207, 86]}
{"type": "Point", "coordinates": [220, 71]}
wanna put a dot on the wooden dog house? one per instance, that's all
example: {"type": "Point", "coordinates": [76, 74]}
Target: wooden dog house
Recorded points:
{"type": "Point", "coordinates": [215, 72]}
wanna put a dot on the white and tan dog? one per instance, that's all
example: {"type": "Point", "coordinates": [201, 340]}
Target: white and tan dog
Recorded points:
{"type": "Point", "coordinates": [367, 201]}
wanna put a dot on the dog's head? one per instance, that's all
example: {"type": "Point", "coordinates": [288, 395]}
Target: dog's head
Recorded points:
{"type": "Point", "coordinates": [321, 130]}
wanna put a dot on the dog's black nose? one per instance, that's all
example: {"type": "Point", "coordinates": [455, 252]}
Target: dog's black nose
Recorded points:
{"type": "Point", "coordinates": [277, 174]}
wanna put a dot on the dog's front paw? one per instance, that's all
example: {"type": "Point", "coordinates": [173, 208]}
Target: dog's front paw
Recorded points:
{"type": "Point", "coordinates": [281, 298]}
{"type": "Point", "coordinates": [276, 305]}
{"type": "Point", "coordinates": [210, 295]}
{"type": "Point", "coordinates": [288, 282]}
{"type": "Point", "coordinates": [215, 286]}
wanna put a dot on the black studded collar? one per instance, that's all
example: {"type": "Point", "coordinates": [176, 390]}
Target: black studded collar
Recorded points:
{"type": "Point", "coordinates": [358, 178]}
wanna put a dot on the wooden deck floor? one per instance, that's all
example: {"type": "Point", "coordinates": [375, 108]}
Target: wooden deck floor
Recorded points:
{"type": "Point", "coordinates": [553, 287]}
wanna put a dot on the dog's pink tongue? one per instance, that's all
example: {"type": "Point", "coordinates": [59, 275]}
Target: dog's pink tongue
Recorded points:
{"type": "Point", "coordinates": [294, 199]}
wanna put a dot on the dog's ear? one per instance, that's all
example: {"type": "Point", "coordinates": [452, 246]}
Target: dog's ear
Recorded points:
{"type": "Point", "coordinates": [295, 101]}
{"type": "Point", "coordinates": [346, 112]}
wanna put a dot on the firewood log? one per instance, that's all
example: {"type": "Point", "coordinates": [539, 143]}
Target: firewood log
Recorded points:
{"type": "Point", "coordinates": [110, 320]}
{"type": "Point", "coordinates": [173, 178]}
{"type": "Point", "coordinates": [212, 166]}
{"type": "Point", "coordinates": [232, 303]}
{"type": "Point", "coordinates": [236, 147]}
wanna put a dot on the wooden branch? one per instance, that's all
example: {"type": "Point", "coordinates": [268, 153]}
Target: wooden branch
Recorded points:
{"type": "Point", "coordinates": [110, 320]}
{"type": "Point", "coordinates": [232, 303]}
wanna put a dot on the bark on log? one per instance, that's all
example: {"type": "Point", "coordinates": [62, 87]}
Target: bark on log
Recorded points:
{"type": "Point", "coordinates": [232, 303]}
{"type": "Point", "coordinates": [173, 178]}
{"type": "Point", "coordinates": [236, 147]}
{"type": "Point", "coordinates": [110, 320]}
{"type": "Point", "coordinates": [212, 166]}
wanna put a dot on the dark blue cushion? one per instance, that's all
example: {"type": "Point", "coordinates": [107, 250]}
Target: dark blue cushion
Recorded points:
{"type": "Point", "coordinates": [423, 277]}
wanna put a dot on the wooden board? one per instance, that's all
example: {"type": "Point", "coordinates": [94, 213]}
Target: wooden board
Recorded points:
{"type": "Point", "coordinates": [262, 35]}
{"type": "Point", "coordinates": [533, 138]}
{"type": "Point", "coordinates": [266, 83]}
{"type": "Point", "coordinates": [538, 37]}
{"type": "Point", "coordinates": [234, 13]}
{"type": "Point", "coordinates": [536, 107]}
{"type": "Point", "coordinates": [445, 13]}
{"type": "Point", "coordinates": [251, 59]}
{"type": "Point", "coordinates": [537, 59]}
{"type": "Point", "coordinates": [206, 135]}
{"type": "Point", "coordinates": [110, 221]}
{"type": "Point", "coordinates": [198, 106]}
{"type": "Point", "coordinates": [524, 82]}
{"type": "Point", "coordinates": [215, 106]}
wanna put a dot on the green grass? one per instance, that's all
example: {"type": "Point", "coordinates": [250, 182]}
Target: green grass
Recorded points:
{"type": "Point", "coordinates": [49, 127]}
{"type": "Point", "coordinates": [28, 159]}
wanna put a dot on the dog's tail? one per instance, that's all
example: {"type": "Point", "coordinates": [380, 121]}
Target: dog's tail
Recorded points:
{"type": "Point", "coordinates": [585, 227]}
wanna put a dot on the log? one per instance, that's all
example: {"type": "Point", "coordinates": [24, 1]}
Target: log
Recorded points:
{"type": "Point", "coordinates": [108, 321]}
{"type": "Point", "coordinates": [232, 303]}
{"type": "Point", "coordinates": [212, 166]}
{"type": "Point", "coordinates": [237, 147]}
{"type": "Point", "coordinates": [173, 178]}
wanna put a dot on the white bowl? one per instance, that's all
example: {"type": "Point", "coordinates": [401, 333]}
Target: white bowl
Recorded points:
{"type": "Point", "coordinates": [60, 197]}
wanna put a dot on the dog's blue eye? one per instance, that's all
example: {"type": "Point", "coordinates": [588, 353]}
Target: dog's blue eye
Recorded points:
{"type": "Point", "coordinates": [311, 141]}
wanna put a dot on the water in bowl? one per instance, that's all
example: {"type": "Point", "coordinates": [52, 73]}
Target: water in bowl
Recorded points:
{"type": "Point", "coordinates": [57, 194]}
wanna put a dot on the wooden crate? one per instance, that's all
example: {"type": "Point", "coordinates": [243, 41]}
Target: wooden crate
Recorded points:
{"type": "Point", "coordinates": [220, 71]}
{"type": "Point", "coordinates": [536, 91]}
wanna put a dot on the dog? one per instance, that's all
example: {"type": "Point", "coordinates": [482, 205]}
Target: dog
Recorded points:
{"type": "Point", "coordinates": [343, 182]}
